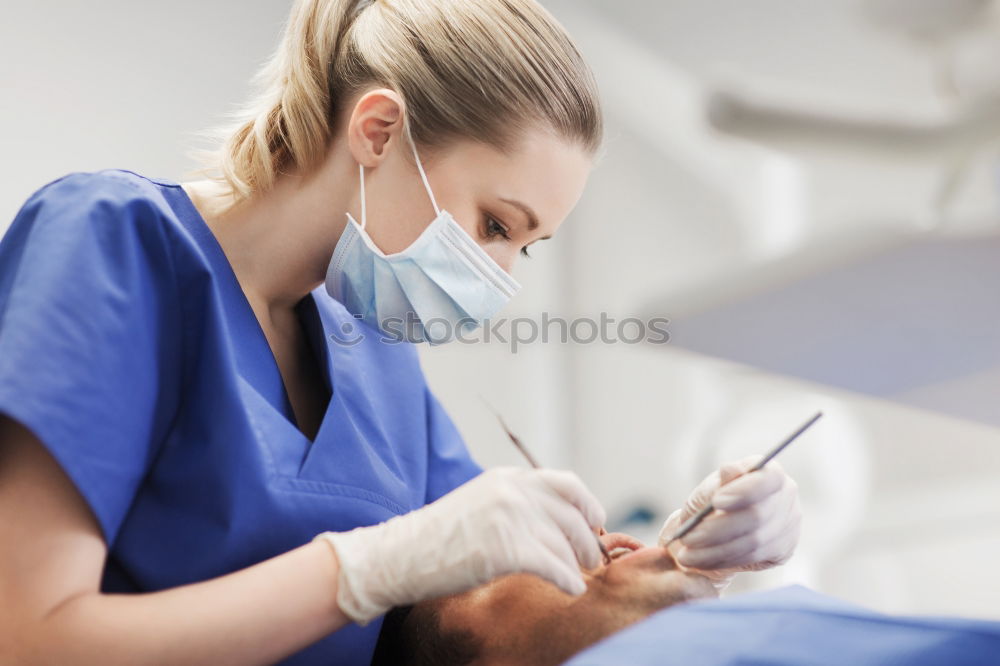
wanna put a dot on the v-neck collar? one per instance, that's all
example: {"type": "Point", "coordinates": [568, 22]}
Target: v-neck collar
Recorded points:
{"type": "Point", "coordinates": [253, 348]}
{"type": "Point", "coordinates": [315, 326]}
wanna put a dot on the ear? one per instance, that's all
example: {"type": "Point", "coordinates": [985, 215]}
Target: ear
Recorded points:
{"type": "Point", "coordinates": [377, 120]}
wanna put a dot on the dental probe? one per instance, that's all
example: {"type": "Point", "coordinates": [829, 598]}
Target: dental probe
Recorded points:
{"type": "Point", "coordinates": [534, 463]}
{"type": "Point", "coordinates": [696, 519]}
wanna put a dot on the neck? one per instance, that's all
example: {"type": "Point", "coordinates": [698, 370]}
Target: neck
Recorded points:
{"type": "Point", "coordinates": [279, 242]}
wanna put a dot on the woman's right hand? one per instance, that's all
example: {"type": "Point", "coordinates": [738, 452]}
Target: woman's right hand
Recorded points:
{"type": "Point", "coordinates": [504, 521]}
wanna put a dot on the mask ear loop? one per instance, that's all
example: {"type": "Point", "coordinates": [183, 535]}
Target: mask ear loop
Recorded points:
{"type": "Point", "coordinates": [423, 176]}
{"type": "Point", "coordinates": [364, 216]}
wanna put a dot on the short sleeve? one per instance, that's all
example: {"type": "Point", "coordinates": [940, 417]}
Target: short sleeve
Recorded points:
{"type": "Point", "coordinates": [88, 333]}
{"type": "Point", "coordinates": [450, 464]}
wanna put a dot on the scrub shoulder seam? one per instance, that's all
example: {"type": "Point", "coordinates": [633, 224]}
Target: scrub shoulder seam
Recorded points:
{"type": "Point", "coordinates": [313, 486]}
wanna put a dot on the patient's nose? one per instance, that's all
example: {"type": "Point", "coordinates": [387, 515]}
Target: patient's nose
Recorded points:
{"type": "Point", "coordinates": [669, 558]}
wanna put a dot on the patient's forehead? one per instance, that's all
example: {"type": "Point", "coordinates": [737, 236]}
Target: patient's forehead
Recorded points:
{"type": "Point", "coordinates": [514, 592]}
{"type": "Point", "coordinates": [522, 589]}
{"type": "Point", "coordinates": [502, 613]}
{"type": "Point", "coordinates": [522, 597]}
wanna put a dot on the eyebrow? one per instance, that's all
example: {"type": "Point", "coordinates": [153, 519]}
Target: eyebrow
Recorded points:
{"type": "Point", "coordinates": [526, 209]}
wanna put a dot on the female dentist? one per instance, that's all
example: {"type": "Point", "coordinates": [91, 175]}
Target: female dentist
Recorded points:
{"type": "Point", "coordinates": [214, 447]}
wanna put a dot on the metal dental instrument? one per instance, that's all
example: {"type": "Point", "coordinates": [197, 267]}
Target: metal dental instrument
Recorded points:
{"type": "Point", "coordinates": [696, 519]}
{"type": "Point", "coordinates": [534, 463]}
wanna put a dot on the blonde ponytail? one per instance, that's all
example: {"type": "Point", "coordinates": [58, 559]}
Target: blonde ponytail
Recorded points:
{"type": "Point", "coordinates": [480, 69]}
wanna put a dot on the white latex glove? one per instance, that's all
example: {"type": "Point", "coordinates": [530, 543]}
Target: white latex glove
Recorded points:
{"type": "Point", "coordinates": [756, 525]}
{"type": "Point", "coordinates": [504, 521]}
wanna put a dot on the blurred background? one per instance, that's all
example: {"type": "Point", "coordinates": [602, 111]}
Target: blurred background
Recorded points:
{"type": "Point", "coordinates": [806, 189]}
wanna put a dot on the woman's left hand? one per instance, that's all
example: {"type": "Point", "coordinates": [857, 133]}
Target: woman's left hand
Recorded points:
{"type": "Point", "coordinates": [756, 524]}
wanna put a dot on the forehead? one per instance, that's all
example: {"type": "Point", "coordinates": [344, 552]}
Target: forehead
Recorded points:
{"type": "Point", "coordinates": [540, 169]}
{"type": "Point", "coordinates": [507, 593]}
{"type": "Point", "coordinates": [506, 601]}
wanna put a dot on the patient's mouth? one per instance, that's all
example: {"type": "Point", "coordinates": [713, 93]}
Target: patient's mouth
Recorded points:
{"type": "Point", "coordinates": [648, 555]}
{"type": "Point", "coordinates": [623, 547]}
{"type": "Point", "coordinates": [617, 542]}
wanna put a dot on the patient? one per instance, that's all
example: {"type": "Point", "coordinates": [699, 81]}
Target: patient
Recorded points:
{"type": "Point", "coordinates": [523, 619]}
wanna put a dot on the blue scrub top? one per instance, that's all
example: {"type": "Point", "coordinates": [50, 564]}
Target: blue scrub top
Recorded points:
{"type": "Point", "coordinates": [129, 349]}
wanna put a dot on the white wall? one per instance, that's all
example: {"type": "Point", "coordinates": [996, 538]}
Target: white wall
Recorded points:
{"type": "Point", "coordinates": [119, 84]}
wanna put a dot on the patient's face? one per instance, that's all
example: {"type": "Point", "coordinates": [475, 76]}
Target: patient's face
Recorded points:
{"type": "Point", "coordinates": [523, 619]}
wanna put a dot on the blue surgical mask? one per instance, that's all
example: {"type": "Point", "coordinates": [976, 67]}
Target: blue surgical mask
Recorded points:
{"type": "Point", "coordinates": [442, 284]}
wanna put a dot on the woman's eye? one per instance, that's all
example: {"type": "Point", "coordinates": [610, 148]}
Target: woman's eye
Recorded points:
{"type": "Point", "coordinates": [494, 228]}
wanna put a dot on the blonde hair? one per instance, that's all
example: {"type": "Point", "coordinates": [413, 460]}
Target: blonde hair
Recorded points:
{"type": "Point", "coordinates": [477, 69]}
